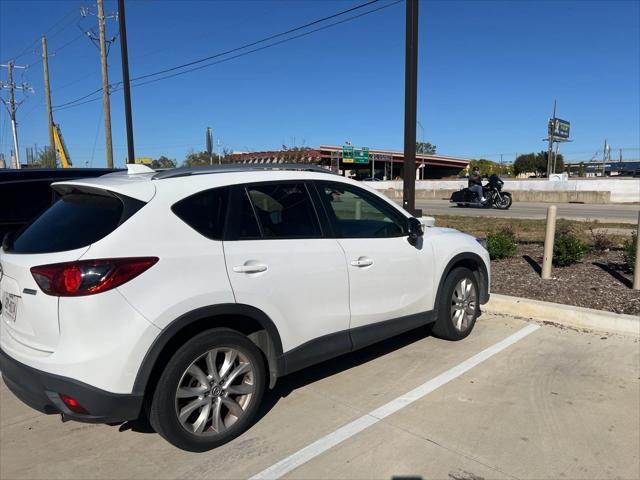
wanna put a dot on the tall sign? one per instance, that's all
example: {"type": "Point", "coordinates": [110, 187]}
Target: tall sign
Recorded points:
{"type": "Point", "coordinates": [559, 129]}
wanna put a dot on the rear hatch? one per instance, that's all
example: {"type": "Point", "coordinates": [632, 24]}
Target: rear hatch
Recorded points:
{"type": "Point", "coordinates": [63, 233]}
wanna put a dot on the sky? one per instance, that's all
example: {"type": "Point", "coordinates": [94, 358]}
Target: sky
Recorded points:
{"type": "Point", "coordinates": [489, 72]}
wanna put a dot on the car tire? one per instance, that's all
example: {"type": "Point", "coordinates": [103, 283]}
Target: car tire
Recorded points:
{"type": "Point", "coordinates": [458, 305]}
{"type": "Point", "coordinates": [197, 410]}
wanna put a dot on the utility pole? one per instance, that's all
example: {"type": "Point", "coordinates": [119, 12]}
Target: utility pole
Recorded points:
{"type": "Point", "coordinates": [125, 81]}
{"type": "Point", "coordinates": [410, 108]}
{"type": "Point", "coordinates": [47, 97]}
{"type": "Point", "coordinates": [105, 86]}
{"type": "Point", "coordinates": [550, 147]}
{"type": "Point", "coordinates": [12, 107]}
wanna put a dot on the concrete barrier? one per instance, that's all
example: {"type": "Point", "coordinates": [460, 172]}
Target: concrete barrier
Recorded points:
{"type": "Point", "coordinates": [517, 195]}
{"type": "Point", "coordinates": [623, 190]}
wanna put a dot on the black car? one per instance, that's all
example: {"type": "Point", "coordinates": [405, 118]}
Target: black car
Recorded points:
{"type": "Point", "coordinates": [26, 193]}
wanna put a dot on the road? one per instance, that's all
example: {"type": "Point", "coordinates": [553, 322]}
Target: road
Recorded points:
{"type": "Point", "coordinates": [619, 213]}
{"type": "Point", "coordinates": [513, 400]}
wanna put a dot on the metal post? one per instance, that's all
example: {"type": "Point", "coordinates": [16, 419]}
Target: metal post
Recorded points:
{"type": "Point", "coordinates": [47, 98]}
{"type": "Point", "coordinates": [549, 238]}
{"type": "Point", "coordinates": [105, 86]}
{"type": "Point", "coordinates": [410, 107]}
{"type": "Point", "coordinates": [421, 168]}
{"type": "Point", "coordinates": [125, 81]}
{"type": "Point", "coordinates": [373, 166]}
{"type": "Point", "coordinates": [636, 268]}
{"type": "Point", "coordinates": [604, 156]}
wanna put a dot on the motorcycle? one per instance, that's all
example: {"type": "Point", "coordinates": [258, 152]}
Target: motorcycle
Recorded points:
{"type": "Point", "coordinates": [492, 192]}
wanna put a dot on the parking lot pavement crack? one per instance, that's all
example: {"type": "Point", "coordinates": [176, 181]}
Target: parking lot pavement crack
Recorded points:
{"type": "Point", "coordinates": [449, 449]}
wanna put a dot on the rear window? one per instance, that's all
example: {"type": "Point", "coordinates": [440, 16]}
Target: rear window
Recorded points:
{"type": "Point", "coordinates": [75, 221]}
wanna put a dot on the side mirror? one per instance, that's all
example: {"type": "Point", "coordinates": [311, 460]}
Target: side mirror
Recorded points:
{"type": "Point", "coordinates": [416, 229]}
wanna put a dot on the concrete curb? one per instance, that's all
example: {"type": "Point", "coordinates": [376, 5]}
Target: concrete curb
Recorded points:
{"type": "Point", "coordinates": [564, 314]}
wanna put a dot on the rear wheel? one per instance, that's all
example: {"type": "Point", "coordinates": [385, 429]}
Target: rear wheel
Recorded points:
{"type": "Point", "coordinates": [458, 305]}
{"type": "Point", "coordinates": [210, 391]}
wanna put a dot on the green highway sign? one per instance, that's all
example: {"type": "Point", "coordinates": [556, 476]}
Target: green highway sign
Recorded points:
{"type": "Point", "coordinates": [361, 155]}
{"type": "Point", "coordinates": [347, 154]}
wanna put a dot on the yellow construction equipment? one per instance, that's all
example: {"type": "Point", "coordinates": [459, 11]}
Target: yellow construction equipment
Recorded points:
{"type": "Point", "coordinates": [61, 148]}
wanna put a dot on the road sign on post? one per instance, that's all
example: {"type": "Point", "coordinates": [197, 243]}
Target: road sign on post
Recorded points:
{"type": "Point", "coordinates": [347, 154]}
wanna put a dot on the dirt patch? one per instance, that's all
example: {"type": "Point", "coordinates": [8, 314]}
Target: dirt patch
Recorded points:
{"type": "Point", "coordinates": [599, 281]}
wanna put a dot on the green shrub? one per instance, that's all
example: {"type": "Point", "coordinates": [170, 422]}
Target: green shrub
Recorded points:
{"type": "Point", "coordinates": [629, 252]}
{"type": "Point", "coordinates": [568, 249]}
{"type": "Point", "coordinates": [502, 244]}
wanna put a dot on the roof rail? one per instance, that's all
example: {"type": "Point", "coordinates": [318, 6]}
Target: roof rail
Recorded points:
{"type": "Point", "coordinates": [238, 167]}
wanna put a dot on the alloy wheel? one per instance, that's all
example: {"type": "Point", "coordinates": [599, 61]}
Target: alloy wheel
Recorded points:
{"type": "Point", "coordinates": [215, 391]}
{"type": "Point", "coordinates": [463, 304]}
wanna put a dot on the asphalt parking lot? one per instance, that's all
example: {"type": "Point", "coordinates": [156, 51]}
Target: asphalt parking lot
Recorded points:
{"type": "Point", "coordinates": [549, 402]}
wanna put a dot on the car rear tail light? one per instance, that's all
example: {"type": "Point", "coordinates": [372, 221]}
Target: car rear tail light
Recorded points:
{"type": "Point", "coordinates": [88, 277]}
{"type": "Point", "coordinates": [73, 404]}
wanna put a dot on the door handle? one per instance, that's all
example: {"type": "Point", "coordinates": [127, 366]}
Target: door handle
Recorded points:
{"type": "Point", "coordinates": [362, 262]}
{"type": "Point", "coordinates": [249, 268]}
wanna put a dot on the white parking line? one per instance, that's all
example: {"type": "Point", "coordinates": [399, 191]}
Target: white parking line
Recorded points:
{"type": "Point", "coordinates": [332, 439]}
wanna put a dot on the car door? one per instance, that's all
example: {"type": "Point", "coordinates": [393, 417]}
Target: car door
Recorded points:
{"type": "Point", "coordinates": [390, 279]}
{"type": "Point", "coordinates": [279, 261]}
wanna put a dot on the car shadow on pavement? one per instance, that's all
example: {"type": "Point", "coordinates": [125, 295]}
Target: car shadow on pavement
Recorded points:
{"type": "Point", "coordinates": [328, 368]}
{"type": "Point", "coordinates": [614, 269]}
{"type": "Point", "coordinates": [306, 376]}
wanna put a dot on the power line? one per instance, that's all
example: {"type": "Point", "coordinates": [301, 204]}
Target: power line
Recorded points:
{"type": "Point", "coordinates": [217, 55]}
{"type": "Point", "coordinates": [266, 39]}
{"type": "Point", "coordinates": [33, 44]}
{"type": "Point", "coordinates": [280, 42]}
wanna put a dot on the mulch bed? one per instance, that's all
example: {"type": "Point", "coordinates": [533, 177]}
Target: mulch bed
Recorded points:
{"type": "Point", "coordinates": [599, 281]}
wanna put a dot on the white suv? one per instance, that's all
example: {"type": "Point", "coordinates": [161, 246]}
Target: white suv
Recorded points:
{"type": "Point", "coordinates": [181, 295]}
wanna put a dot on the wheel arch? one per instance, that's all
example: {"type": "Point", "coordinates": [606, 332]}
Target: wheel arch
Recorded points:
{"type": "Point", "coordinates": [246, 319]}
{"type": "Point", "coordinates": [473, 262]}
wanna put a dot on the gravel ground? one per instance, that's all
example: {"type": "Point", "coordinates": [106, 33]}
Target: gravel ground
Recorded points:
{"type": "Point", "coordinates": [599, 281]}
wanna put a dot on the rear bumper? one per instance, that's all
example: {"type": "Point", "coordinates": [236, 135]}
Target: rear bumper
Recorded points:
{"type": "Point", "coordinates": [40, 390]}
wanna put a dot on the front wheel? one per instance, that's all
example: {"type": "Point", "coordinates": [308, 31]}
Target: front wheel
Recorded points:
{"type": "Point", "coordinates": [210, 391]}
{"type": "Point", "coordinates": [458, 306]}
{"type": "Point", "coordinates": [504, 202]}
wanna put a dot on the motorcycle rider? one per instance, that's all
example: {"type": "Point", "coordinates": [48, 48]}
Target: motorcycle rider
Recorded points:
{"type": "Point", "coordinates": [475, 184]}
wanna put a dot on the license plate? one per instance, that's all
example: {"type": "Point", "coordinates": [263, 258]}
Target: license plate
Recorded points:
{"type": "Point", "coordinates": [10, 306]}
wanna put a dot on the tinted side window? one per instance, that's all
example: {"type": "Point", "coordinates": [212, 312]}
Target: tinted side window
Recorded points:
{"type": "Point", "coordinates": [284, 210]}
{"type": "Point", "coordinates": [75, 221]}
{"type": "Point", "coordinates": [204, 212]}
{"type": "Point", "coordinates": [357, 214]}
